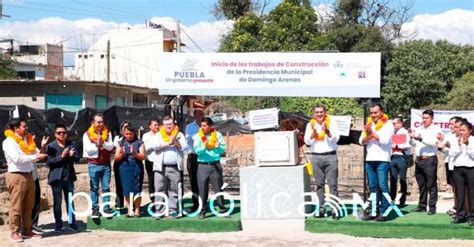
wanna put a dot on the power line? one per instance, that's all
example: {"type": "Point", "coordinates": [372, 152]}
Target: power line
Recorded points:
{"type": "Point", "coordinates": [67, 12]}
{"type": "Point", "coordinates": [187, 35]}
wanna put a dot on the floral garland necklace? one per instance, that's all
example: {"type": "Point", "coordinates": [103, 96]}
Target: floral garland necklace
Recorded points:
{"type": "Point", "coordinates": [93, 134]}
{"type": "Point", "coordinates": [28, 146]}
{"type": "Point", "coordinates": [211, 143]}
{"type": "Point", "coordinates": [379, 123]}
{"type": "Point", "coordinates": [167, 137]}
{"type": "Point", "coordinates": [322, 135]}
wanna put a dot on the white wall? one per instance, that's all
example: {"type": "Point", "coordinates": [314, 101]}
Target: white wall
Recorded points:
{"type": "Point", "coordinates": [134, 58]}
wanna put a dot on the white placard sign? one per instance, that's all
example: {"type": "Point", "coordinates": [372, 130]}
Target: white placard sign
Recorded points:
{"type": "Point", "coordinates": [441, 118]}
{"type": "Point", "coordinates": [270, 74]}
{"type": "Point", "coordinates": [343, 124]}
{"type": "Point", "coordinates": [264, 119]}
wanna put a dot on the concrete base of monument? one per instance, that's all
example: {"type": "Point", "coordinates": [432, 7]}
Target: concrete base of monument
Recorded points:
{"type": "Point", "coordinates": [273, 199]}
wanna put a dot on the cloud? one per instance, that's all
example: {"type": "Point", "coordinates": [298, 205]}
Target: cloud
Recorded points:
{"type": "Point", "coordinates": [79, 35]}
{"type": "Point", "coordinates": [456, 26]}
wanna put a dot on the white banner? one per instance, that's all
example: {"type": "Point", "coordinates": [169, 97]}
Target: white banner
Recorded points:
{"type": "Point", "coordinates": [441, 118]}
{"type": "Point", "coordinates": [343, 124]}
{"type": "Point", "coordinates": [264, 119]}
{"type": "Point", "coordinates": [270, 74]}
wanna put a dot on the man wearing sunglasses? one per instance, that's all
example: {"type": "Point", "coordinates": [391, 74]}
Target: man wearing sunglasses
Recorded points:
{"type": "Point", "coordinates": [62, 154]}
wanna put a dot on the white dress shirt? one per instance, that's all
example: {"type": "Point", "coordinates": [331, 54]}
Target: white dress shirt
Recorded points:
{"type": "Point", "coordinates": [90, 148]}
{"type": "Point", "coordinates": [462, 155]}
{"type": "Point", "coordinates": [428, 144]}
{"type": "Point", "coordinates": [380, 150]}
{"type": "Point", "coordinates": [406, 147]}
{"type": "Point", "coordinates": [190, 131]}
{"type": "Point", "coordinates": [450, 138]}
{"type": "Point", "coordinates": [149, 140]}
{"type": "Point", "coordinates": [328, 144]}
{"type": "Point", "coordinates": [17, 160]}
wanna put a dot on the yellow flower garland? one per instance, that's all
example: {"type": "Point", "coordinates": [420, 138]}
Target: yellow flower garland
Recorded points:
{"type": "Point", "coordinates": [28, 146]}
{"type": "Point", "coordinates": [378, 125]}
{"type": "Point", "coordinates": [321, 136]}
{"type": "Point", "coordinates": [211, 143]}
{"type": "Point", "coordinates": [167, 137]}
{"type": "Point", "coordinates": [93, 135]}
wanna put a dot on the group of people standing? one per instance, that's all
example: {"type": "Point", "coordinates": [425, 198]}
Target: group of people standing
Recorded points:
{"type": "Point", "coordinates": [161, 153]}
{"type": "Point", "coordinates": [162, 149]}
{"type": "Point", "coordinates": [389, 154]}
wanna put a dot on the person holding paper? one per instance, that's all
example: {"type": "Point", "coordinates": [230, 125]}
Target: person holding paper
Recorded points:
{"type": "Point", "coordinates": [322, 135]}
{"type": "Point", "coordinates": [377, 135]}
{"type": "Point", "coordinates": [401, 152]}
{"type": "Point", "coordinates": [425, 140]}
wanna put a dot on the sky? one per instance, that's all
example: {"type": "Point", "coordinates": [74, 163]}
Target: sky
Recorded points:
{"type": "Point", "coordinates": [79, 23]}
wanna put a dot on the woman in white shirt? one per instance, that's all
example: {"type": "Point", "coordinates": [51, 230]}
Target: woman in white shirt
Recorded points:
{"type": "Point", "coordinates": [462, 155]}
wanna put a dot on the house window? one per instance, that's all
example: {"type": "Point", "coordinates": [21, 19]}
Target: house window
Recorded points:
{"type": "Point", "coordinates": [26, 75]}
{"type": "Point", "coordinates": [121, 101]}
{"type": "Point", "coordinates": [100, 102]}
{"type": "Point", "coordinates": [140, 100]}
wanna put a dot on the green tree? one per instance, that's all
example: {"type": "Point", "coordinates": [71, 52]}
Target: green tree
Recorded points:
{"type": "Point", "coordinates": [422, 73]}
{"type": "Point", "coordinates": [232, 9]}
{"type": "Point", "coordinates": [6, 68]}
{"type": "Point", "coordinates": [461, 96]}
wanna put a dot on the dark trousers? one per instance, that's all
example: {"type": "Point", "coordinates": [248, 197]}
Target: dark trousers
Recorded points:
{"type": "Point", "coordinates": [63, 187]}
{"type": "Point", "coordinates": [426, 177]}
{"type": "Point", "coordinates": [192, 168]}
{"type": "Point", "coordinates": [463, 178]}
{"type": "Point", "coordinates": [325, 167]}
{"type": "Point", "coordinates": [151, 179]}
{"type": "Point", "coordinates": [118, 186]}
{"type": "Point", "coordinates": [398, 169]}
{"type": "Point", "coordinates": [213, 174]}
{"type": "Point", "coordinates": [36, 208]}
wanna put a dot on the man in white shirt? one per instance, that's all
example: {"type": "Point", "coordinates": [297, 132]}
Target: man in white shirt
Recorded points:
{"type": "Point", "coordinates": [192, 166]}
{"type": "Point", "coordinates": [97, 144]}
{"type": "Point", "coordinates": [377, 135]}
{"type": "Point", "coordinates": [401, 152]}
{"type": "Point", "coordinates": [425, 140]}
{"type": "Point", "coordinates": [168, 146]}
{"type": "Point", "coordinates": [19, 179]}
{"type": "Point", "coordinates": [322, 135]}
{"type": "Point", "coordinates": [154, 127]}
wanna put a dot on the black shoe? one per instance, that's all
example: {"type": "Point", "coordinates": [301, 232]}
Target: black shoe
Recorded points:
{"type": "Point", "coordinates": [458, 221]}
{"type": "Point", "coordinates": [223, 210]}
{"type": "Point", "coordinates": [402, 205]}
{"type": "Point", "coordinates": [73, 227]}
{"type": "Point", "coordinates": [95, 213]}
{"type": "Point", "coordinates": [335, 216]}
{"type": "Point", "coordinates": [37, 229]}
{"type": "Point", "coordinates": [109, 211]}
{"type": "Point", "coordinates": [381, 218]}
{"type": "Point", "coordinates": [58, 227]}
{"type": "Point", "coordinates": [367, 217]}
{"type": "Point", "coordinates": [418, 209]}
{"type": "Point", "coordinates": [431, 212]}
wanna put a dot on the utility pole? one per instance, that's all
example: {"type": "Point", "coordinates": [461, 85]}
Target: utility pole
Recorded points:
{"type": "Point", "coordinates": [107, 89]}
{"type": "Point", "coordinates": [178, 37]}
